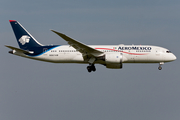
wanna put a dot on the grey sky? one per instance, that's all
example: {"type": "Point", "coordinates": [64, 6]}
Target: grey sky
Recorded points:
{"type": "Point", "coordinates": [34, 90]}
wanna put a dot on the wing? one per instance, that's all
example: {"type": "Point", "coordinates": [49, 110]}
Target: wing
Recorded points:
{"type": "Point", "coordinates": [82, 48]}
{"type": "Point", "coordinates": [20, 50]}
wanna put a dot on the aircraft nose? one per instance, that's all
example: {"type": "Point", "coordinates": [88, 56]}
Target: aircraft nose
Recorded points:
{"type": "Point", "coordinates": [170, 57]}
{"type": "Point", "coordinates": [174, 57]}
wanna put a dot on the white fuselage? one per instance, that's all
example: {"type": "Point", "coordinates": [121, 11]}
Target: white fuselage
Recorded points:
{"type": "Point", "coordinates": [130, 54]}
{"type": "Point", "coordinates": [111, 56]}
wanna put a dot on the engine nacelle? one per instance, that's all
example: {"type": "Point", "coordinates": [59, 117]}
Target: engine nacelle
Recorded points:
{"type": "Point", "coordinates": [114, 60]}
{"type": "Point", "coordinates": [114, 66]}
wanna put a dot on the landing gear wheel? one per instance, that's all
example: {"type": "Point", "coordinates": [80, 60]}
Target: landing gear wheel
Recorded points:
{"type": "Point", "coordinates": [89, 68]}
{"type": "Point", "coordinates": [93, 68]}
{"type": "Point", "coordinates": [160, 68]}
{"type": "Point", "coordinates": [160, 65]}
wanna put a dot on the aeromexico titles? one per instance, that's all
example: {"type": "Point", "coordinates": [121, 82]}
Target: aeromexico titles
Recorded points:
{"type": "Point", "coordinates": [111, 56]}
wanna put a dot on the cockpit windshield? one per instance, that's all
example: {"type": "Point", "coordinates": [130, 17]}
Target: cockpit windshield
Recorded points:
{"type": "Point", "coordinates": [168, 51]}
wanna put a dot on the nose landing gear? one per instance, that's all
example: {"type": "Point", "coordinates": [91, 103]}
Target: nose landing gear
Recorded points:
{"type": "Point", "coordinates": [160, 68]}
{"type": "Point", "coordinates": [160, 65]}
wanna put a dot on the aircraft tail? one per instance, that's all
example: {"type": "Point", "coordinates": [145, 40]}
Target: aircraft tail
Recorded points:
{"type": "Point", "coordinates": [25, 40]}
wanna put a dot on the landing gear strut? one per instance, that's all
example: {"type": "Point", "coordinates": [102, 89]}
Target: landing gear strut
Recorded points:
{"type": "Point", "coordinates": [160, 65]}
{"type": "Point", "coordinates": [91, 67]}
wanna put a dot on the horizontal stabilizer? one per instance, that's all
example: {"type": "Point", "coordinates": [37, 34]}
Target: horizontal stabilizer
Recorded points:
{"type": "Point", "coordinates": [20, 50]}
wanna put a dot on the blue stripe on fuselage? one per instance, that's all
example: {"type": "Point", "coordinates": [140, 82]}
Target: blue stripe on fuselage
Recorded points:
{"type": "Point", "coordinates": [41, 50]}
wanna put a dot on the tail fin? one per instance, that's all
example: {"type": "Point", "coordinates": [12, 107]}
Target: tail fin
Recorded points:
{"type": "Point", "coordinates": [24, 38]}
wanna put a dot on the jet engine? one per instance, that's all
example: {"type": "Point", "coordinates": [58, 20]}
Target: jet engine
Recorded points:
{"type": "Point", "coordinates": [113, 60]}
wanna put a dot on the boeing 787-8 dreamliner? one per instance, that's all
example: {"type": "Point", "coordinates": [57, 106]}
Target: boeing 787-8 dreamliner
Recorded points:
{"type": "Point", "coordinates": [111, 56]}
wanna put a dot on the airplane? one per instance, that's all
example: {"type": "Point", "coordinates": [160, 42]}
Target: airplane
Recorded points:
{"type": "Point", "coordinates": [111, 56]}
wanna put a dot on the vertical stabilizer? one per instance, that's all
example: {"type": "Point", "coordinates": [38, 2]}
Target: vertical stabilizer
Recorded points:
{"type": "Point", "coordinates": [25, 40]}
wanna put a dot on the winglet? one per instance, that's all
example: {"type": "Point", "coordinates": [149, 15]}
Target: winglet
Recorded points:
{"type": "Point", "coordinates": [57, 33]}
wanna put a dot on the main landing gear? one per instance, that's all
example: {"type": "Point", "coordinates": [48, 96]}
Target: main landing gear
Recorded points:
{"type": "Point", "coordinates": [91, 67]}
{"type": "Point", "coordinates": [160, 65]}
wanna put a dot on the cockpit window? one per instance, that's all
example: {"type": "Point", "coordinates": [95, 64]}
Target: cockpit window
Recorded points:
{"type": "Point", "coordinates": [168, 51]}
